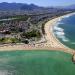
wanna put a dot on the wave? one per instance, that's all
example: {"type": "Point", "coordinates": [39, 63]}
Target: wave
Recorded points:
{"type": "Point", "coordinates": [73, 43]}
{"type": "Point", "coordinates": [3, 72]}
{"type": "Point", "coordinates": [60, 19]}
{"type": "Point", "coordinates": [67, 16]}
{"type": "Point", "coordinates": [59, 32]}
{"type": "Point", "coordinates": [56, 28]}
{"type": "Point", "coordinates": [61, 35]}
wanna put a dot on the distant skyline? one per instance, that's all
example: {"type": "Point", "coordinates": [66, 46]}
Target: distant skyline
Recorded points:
{"type": "Point", "coordinates": [43, 2]}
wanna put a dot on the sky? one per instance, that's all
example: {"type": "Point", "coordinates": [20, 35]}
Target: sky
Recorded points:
{"type": "Point", "coordinates": [43, 2]}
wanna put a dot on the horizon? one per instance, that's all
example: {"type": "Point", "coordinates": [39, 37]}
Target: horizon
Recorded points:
{"type": "Point", "coordinates": [45, 3]}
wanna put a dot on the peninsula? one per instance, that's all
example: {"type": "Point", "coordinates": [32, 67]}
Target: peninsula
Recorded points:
{"type": "Point", "coordinates": [47, 42]}
{"type": "Point", "coordinates": [28, 30]}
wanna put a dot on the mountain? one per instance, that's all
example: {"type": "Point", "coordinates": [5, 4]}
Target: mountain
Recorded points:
{"type": "Point", "coordinates": [71, 6]}
{"type": "Point", "coordinates": [31, 7]}
{"type": "Point", "coordinates": [18, 6]}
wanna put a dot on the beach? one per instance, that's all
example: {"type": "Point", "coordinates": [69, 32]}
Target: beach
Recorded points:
{"type": "Point", "coordinates": [52, 43]}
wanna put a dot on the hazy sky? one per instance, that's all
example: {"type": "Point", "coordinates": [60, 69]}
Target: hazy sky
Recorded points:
{"type": "Point", "coordinates": [43, 2]}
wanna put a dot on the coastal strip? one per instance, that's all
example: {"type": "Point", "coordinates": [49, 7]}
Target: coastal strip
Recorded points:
{"type": "Point", "coordinates": [51, 38]}
{"type": "Point", "coordinates": [52, 43]}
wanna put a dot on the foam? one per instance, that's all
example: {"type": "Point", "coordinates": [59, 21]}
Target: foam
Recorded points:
{"type": "Point", "coordinates": [58, 29]}
{"type": "Point", "coordinates": [60, 19]}
{"type": "Point", "coordinates": [63, 38]}
{"type": "Point", "coordinates": [67, 16]}
{"type": "Point", "coordinates": [3, 72]}
{"type": "Point", "coordinates": [59, 32]}
{"type": "Point", "coordinates": [73, 43]}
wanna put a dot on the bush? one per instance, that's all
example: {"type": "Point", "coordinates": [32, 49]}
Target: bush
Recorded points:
{"type": "Point", "coordinates": [25, 41]}
{"type": "Point", "coordinates": [33, 33]}
{"type": "Point", "coordinates": [9, 40]}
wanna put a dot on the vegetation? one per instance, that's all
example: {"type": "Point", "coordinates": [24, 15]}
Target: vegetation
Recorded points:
{"type": "Point", "coordinates": [16, 17]}
{"type": "Point", "coordinates": [25, 28]}
{"type": "Point", "coordinates": [21, 18]}
{"type": "Point", "coordinates": [43, 24]}
{"type": "Point", "coordinates": [9, 40]}
{"type": "Point", "coordinates": [25, 41]}
{"type": "Point", "coordinates": [33, 33]}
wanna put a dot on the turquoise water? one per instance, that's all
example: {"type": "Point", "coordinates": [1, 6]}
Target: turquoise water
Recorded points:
{"type": "Point", "coordinates": [65, 31]}
{"type": "Point", "coordinates": [36, 63]}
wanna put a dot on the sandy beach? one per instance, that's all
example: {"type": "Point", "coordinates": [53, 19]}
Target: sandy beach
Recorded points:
{"type": "Point", "coordinates": [52, 43]}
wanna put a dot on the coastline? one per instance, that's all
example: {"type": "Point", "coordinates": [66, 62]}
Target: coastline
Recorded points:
{"type": "Point", "coordinates": [52, 38]}
{"type": "Point", "coordinates": [52, 42]}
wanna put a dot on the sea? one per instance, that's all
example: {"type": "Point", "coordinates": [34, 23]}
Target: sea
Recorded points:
{"type": "Point", "coordinates": [36, 63]}
{"type": "Point", "coordinates": [64, 30]}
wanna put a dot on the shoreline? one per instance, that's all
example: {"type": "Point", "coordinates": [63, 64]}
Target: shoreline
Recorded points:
{"type": "Point", "coordinates": [50, 36]}
{"type": "Point", "coordinates": [52, 42]}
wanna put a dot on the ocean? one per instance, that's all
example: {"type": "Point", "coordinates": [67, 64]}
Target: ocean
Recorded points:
{"type": "Point", "coordinates": [36, 63]}
{"type": "Point", "coordinates": [65, 30]}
